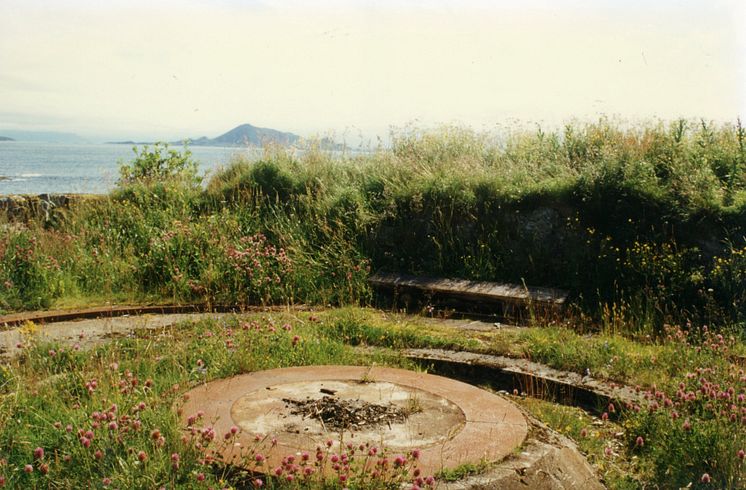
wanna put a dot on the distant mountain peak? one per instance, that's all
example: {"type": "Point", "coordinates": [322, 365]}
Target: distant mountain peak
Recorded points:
{"type": "Point", "coordinates": [248, 135]}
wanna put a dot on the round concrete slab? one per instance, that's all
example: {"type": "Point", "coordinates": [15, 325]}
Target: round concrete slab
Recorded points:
{"type": "Point", "coordinates": [451, 423]}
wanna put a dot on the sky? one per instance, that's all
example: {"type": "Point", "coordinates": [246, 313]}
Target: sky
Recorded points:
{"type": "Point", "coordinates": [355, 69]}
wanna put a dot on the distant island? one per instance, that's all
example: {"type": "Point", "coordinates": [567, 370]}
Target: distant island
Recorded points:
{"type": "Point", "coordinates": [40, 136]}
{"type": "Point", "coordinates": [241, 136]}
{"type": "Point", "coordinates": [248, 135]}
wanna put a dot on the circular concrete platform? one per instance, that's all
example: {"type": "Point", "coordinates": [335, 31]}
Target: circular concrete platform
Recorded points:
{"type": "Point", "coordinates": [450, 422]}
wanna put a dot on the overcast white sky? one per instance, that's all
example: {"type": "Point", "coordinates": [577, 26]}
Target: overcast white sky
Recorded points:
{"type": "Point", "coordinates": [147, 69]}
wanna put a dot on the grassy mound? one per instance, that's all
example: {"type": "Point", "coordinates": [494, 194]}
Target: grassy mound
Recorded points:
{"type": "Point", "coordinates": [644, 225]}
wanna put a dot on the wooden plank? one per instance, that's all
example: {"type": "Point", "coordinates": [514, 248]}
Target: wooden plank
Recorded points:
{"type": "Point", "coordinates": [471, 289]}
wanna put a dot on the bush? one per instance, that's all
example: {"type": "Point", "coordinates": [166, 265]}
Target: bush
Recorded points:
{"type": "Point", "coordinates": [159, 164]}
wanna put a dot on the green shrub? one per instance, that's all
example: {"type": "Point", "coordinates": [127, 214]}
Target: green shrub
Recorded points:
{"type": "Point", "coordinates": [159, 164]}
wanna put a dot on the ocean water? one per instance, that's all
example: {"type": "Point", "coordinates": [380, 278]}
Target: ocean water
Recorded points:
{"type": "Point", "coordinates": [37, 168]}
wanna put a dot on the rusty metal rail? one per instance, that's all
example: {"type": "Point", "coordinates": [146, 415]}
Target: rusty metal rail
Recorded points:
{"type": "Point", "coordinates": [51, 316]}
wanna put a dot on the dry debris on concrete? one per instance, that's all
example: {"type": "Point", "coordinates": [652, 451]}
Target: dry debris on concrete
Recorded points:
{"type": "Point", "coordinates": [339, 415]}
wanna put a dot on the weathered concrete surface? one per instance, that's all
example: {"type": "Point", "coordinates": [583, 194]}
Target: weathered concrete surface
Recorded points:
{"type": "Point", "coordinates": [583, 390]}
{"type": "Point", "coordinates": [469, 324]}
{"type": "Point", "coordinates": [469, 289]}
{"type": "Point", "coordinates": [488, 427]}
{"type": "Point", "coordinates": [264, 411]}
{"type": "Point", "coordinates": [547, 461]}
{"type": "Point", "coordinates": [90, 332]}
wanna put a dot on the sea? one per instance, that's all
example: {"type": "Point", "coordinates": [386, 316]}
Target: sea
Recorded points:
{"type": "Point", "coordinates": [48, 168]}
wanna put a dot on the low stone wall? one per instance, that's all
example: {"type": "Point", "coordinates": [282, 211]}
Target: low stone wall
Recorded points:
{"type": "Point", "coordinates": [44, 207]}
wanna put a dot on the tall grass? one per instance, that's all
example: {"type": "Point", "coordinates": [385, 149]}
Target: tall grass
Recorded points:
{"type": "Point", "coordinates": [643, 224]}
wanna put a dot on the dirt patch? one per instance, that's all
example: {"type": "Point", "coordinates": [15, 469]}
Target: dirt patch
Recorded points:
{"type": "Point", "coordinates": [352, 415]}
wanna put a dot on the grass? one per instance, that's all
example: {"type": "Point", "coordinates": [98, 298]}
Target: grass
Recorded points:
{"type": "Point", "coordinates": [463, 471]}
{"type": "Point", "coordinates": [355, 326]}
{"type": "Point", "coordinates": [612, 357]}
